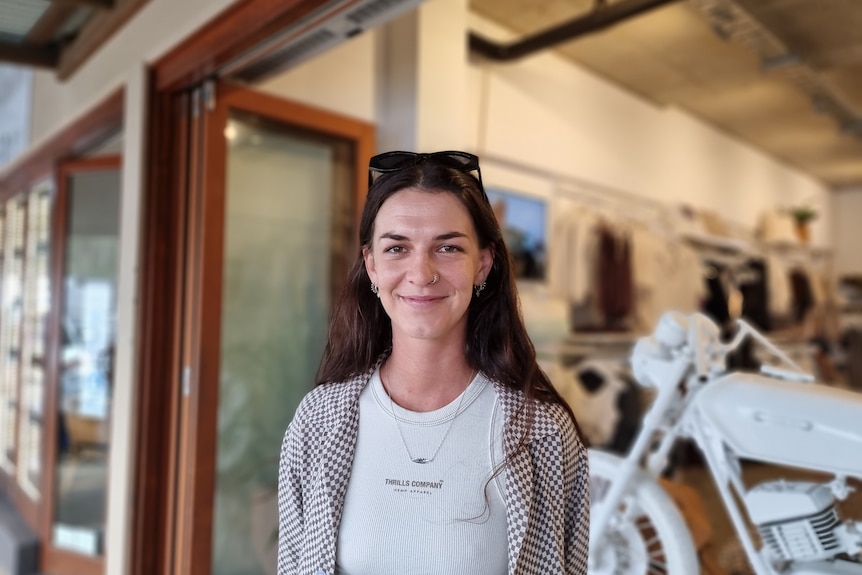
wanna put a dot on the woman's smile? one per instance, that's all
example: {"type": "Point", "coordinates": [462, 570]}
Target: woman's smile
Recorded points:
{"type": "Point", "coordinates": [419, 300]}
{"type": "Point", "coordinates": [425, 259]}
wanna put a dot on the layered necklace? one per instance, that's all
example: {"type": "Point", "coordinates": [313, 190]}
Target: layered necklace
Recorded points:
{"type": "Point", "coordinates": [424, 460]}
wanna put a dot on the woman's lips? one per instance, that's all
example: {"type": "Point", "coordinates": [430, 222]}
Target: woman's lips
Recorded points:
{"type": "Point", "coordinates": [421, 299]}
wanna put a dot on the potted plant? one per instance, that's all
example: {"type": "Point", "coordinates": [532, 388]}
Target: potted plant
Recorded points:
{"type": "Point", "coordinates": [803, 215]}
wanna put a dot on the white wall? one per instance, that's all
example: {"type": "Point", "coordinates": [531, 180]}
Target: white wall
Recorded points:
{"type": "Point", "coordinates": [158, 27]}
{"type": "Point", "coordinates": [539, 117]}
{"type": "Point", "coordinates": [123, 406]}
{"type": "Point", "coordinates": [847, 231]}
{"type": "Point", "coordinates": [555, 119]}
{"type": "Point", "coordinates": [423, 79]}
{"type": "Point", "coordinates": [542, 112]}
{"type": "Point", "coordinates": [340, 80]}
{"type": "Point", "coordinates": [409, 77]}
{"type": "Point", "coordinates": [545, 112]}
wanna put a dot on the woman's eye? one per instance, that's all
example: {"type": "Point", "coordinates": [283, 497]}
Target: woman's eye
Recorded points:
{"type": "Point", "coordinates": [394, 249]}
{"type": "Point", "coordinates": [448, 249]}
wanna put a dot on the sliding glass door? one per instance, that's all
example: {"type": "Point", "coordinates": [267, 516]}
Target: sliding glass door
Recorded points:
{"type": "Point", "coordinates": [86, 257]}
{"type": "Point", "coordinates": [273, 193]}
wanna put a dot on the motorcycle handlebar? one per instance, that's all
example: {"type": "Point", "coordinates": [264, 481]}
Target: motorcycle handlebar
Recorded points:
{"type": "Point", "coordinates": [702, 338]}
{"type": "Point", "coordinates": [720, 351]}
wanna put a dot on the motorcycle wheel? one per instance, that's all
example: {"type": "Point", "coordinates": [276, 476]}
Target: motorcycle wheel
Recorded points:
{"type": "Point", "coordinates": [653, 540]}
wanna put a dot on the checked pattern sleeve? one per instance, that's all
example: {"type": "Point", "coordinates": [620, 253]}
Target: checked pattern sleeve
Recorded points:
{"type": "Point", "coordinates": [557, 537]}
{"type": "Point", "coordinates": [547, 487]}
{"type": "Point", "coordinates": [291, 518]}
{"type": "Point", "coordinates": [578, 509]}
{"type": "Point", "coordinates": [314, 468]}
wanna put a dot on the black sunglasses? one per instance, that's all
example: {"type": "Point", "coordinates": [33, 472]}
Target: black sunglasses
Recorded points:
{"type": "Point", "coordinates": [396, 161]}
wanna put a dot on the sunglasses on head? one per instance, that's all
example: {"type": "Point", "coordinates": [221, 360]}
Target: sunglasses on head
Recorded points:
{"type": "Point", "coordinates": [396, 161]}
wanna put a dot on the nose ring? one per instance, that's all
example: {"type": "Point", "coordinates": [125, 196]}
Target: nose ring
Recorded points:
{"type": "Point", "coordinates": [435, 278]}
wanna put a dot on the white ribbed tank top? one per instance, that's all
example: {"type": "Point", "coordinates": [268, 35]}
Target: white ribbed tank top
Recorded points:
{"type": "Point", "coordinates": [442, 517]}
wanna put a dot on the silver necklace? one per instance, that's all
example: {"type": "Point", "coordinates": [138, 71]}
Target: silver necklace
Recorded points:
{"type": "Point", "coordinates": [424, 460]}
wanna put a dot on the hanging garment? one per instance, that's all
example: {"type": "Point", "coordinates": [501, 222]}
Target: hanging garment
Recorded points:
{"type": "Point", "coordinates": [780, 296]}
{"type": "Point", "coordinates": [803, 296]}
{"type": "Point", "coordinates": [853, 353]}
{"type": "Point", "coordinates": [666, 275]}
{"type": "Point", "coordinates": [615, 295]}
{"type": "Point", "coordinates": [715, 304]}
{"type": "Point", "coordinates": [755, 290]}
{"type": "Point", "coordinates": [571, 253]}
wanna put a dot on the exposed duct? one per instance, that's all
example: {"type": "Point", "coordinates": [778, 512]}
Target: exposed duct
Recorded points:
{"type": "Point", "coordinates": [603, 16]}
{"type": "Point", "coordinates": [334, 23]}
{"type": "Point", "coordinates": [732, 22]}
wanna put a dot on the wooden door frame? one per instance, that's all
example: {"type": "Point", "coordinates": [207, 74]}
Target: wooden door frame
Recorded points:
{"type": "Point", "coordinates": [53, 559]}
{"type": "Point", "coordinates": [86, 132]}
{"type": "Point", "coordinates": [24, 504]}
{"type": "Point", "coordinates": [197, 403]}
{"type": "Point", "coordinates": [154, 549]}
{"type": "Point", "coordinates": [196, 495]}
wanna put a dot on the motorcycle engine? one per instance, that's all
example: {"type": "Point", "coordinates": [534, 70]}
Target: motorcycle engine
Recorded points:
{"type": "Point", "coordinates": [796, 520]}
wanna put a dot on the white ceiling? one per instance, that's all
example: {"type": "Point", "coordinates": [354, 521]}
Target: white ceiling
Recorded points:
{"type": "Point", "coordinates": [783, 75]}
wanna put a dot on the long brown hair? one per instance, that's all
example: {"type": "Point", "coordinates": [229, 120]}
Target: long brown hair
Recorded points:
{"type": "Point", "coordinates": [360, 332]}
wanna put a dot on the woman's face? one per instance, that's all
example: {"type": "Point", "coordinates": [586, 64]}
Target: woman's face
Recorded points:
{"type": "Point", "coordinates": [419, 235]}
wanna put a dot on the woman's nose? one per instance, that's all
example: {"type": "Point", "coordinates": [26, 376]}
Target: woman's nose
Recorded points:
{"type": "Point", "coordinates": [423, 271]}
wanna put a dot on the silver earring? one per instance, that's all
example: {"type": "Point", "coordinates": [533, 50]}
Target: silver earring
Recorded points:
{"type": "Point", "coordinates": [375, 290]}
{"type": "Point", "coordinates": [478, 289]}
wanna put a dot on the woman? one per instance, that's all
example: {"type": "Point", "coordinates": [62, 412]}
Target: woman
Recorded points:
{"type": "Point", "coordinates": [432, 442]}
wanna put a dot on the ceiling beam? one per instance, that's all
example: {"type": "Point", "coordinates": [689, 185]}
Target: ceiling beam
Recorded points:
{"type": "Point", "coordinates": [94, 33]}
{"type": "Point", "coordinates": [45, 30]}
{"type": "Point", "coordinates": [603, 16]}
{"type": "Point", "coordinates": [105, 4]}
{"type": "Point", "coordinates": [37, 56]}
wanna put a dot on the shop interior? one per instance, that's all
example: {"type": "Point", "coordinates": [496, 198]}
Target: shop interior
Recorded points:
{"type": "Point", "coordinates": [602, 253]}
{"type": "Point", "coordinates": [599, 264]}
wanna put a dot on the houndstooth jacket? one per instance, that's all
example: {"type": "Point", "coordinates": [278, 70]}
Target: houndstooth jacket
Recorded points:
{"type": "Point", "coordinates": [546, 486]}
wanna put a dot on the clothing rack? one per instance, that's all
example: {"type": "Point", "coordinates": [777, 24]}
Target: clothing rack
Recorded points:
{"type": "Point", "coordinates": [720, 245]}
{"type": "Point", "coordinates": [798, 254]}
{"type": "Point", "coordinates": [623, 203]}
{"type": "Point", "coordinates": [733, 251]}
{"type": "Point", "coordinates": [570, 187]}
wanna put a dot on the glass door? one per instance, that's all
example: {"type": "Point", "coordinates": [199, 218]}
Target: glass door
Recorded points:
{"type": "Point", "coordinates": [272, 201]}
{"type": "Point", "coordinates": [25, 304]}
{"type": "Point", "coordinates": [87, 227]}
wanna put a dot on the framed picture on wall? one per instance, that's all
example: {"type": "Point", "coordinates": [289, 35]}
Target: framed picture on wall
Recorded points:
{"type": "Point", "coordinates": [524, 222]}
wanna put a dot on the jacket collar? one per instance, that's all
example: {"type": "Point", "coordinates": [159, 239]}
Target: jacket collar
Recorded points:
{"type": "Point", "coordinates": [337, 455]}
{"type": "Point", "coordinates": [340, 448]}
{"type": "Point", "coordinates": [518, 482]}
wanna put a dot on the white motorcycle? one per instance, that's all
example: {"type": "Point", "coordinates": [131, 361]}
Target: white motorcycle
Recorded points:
{"type": "Point", "coordinates": [778, 416]}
